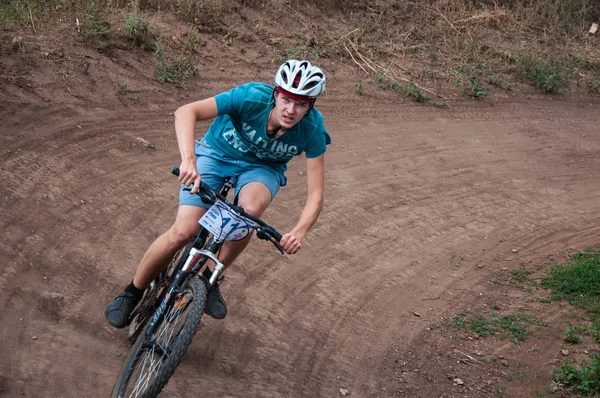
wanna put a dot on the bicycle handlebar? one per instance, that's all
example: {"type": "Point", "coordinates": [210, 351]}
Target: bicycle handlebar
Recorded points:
{"type": "Point", "coordinates": [209, 196]}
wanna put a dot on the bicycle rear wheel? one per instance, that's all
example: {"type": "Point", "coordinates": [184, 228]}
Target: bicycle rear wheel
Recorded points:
{"type": "Point", "coordinates": [153, 358]}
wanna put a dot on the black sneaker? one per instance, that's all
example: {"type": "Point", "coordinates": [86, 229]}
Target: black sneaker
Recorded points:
{"type": "Point", "coordinates": [215, 303]}
{"type": "Point", "coordinates": [118, 311]}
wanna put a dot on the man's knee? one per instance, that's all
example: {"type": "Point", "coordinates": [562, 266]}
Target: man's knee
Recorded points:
{"type": "Point", "coordinates": [254, 208]}
{"type": "Point", "coordinates": [180, 235]}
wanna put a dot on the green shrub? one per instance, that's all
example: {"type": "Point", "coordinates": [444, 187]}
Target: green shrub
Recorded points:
{"type": "Point", "coordinates": [177, 71]}
{"type": "Point", "coordinates": [137, 29]}
{"type": "Point", "coordinates": [586, 379]}
{"type": "Point", "coordinates": [94, 24]}
{"type": "Point", "coordinates": [573, 335]}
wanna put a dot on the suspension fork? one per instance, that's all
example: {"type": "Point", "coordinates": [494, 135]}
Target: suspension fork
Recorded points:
{"type": "Point", "coordinates": [193, 264]}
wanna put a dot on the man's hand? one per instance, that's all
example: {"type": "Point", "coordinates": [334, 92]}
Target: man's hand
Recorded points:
{"type": "Point", "coordinates": [291, 242]}
{"type": "Point", "coordinates": [188, 174]}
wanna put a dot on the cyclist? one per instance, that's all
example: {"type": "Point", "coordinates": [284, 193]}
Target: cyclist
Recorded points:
{"type": "Point", "coordinates": [257, 130]}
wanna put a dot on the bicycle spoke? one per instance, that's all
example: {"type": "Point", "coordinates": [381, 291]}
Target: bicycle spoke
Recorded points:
{"type": "Point", "coordinates": [153, 353]}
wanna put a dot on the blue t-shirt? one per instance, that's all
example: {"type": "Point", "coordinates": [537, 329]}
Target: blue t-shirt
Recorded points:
{"type": "Point", "coordinates": [240, 130]}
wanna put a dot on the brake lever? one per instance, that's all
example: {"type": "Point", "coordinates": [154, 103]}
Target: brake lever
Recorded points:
{"type": "Point", "coordinates": [262, 233]}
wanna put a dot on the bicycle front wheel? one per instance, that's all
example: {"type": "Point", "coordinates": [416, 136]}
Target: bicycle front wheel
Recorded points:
{"type": "Point", "coordinates": [154, 357]}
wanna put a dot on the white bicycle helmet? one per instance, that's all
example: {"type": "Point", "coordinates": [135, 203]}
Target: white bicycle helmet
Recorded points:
{"type": "Point", "coordinates": [300, 79]}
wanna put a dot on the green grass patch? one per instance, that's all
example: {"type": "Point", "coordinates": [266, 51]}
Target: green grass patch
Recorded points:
{"type": "Point", "coordinates": [176, 71]}
{"type": "Point", "coordinates": [137, 29]}
{"type": "Point", "coordinates": [95, 25]}
{"type": "Point", "coordinates": [574, 334]}
{"type": "Point", "coordinates": [548, 76]}
{"type": "Point", "coordinates": [577, 282]}
{"type": "Point", "coordinates": [12, 12]}
{"type": "Point", "coordinates": [514, 326]}
{"type": "Point", "coordinates": [586, 379]}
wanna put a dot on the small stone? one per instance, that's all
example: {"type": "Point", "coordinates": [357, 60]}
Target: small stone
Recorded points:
{"type": "Point", "coordinates": [564, 352]}
{"type": "Point", "coordinates": [416, 314]}
{"type": "Point", "coordinates": [344, 392]}
{"type": "Point", "coordinates": [82, 201]}
{"type": "Point", "coordinates": [515, 250]}
{"type": "Point", "coordinates": [458, 381]}
{"type": "Point", "coordinates": [504, 363]}
{"type": "Point", "coordinates": [33, 337]}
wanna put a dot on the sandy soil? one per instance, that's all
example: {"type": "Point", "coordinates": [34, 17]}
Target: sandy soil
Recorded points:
{"type": "Point", "coordinates": [425, 208]}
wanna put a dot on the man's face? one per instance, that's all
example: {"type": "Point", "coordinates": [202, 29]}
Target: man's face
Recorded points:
{"type": "Point", "coordinates": [289, 111]}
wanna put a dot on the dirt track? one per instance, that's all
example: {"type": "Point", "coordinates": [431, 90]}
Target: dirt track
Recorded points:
{"type": "Point", "coordinates": [425, 206]}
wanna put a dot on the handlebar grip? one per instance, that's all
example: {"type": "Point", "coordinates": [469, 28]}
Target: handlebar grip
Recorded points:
{"type": "Point", "coordinates": [207, 195]}
{"type": "Point", "coordinates": [277, 236]}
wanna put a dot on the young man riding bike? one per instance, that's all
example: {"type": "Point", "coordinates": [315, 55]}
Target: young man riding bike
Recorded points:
{"type": "Point", "coordinates": [257, 130]}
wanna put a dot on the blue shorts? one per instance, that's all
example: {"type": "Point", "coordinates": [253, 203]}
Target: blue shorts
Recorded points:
{"type": "Point", "coordinates": [214, 167]}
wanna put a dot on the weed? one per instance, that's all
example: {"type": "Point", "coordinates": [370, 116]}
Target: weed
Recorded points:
{"type": "Point", "coordinates": [475, 88]}
{"type": "Point", "coordinates": [192, 40]}
{"type": "Point", "coordinates": [12, 12]}
{"type": "Point", "coordinates": [521, 277]}
{"type": "Point", "coordinates": [137, 29]}
{"type": "Point", "coordinates": [95, 25]}
{"type": "Point", "coordinates": [594, 87]}
{"type": "Point", "coordinates": [498, 281]}
{"type": "Point", "coordinates": [124, 97]}
{"type": "Point", "coordinates": [359, 88]}
{"type": "Point", "coordinates": [412, 90]}
{"type": "Point", "coordinates": [302, 51]}
{"type": "Point", "coordinates": [499, 391]}
{"type": "Point", "coordinates": [416, 93]}
{"type": "Point", "coordinates": [177, 71]}
{"type": "Point", "coordinates": [573, 335]}
{"type": "Point", "coordinates": [594, 329]}
{"type": "Point", "coordinates": [515, 326]}
{"type": "Point", "coordinates": [585, 378]}
{"type": "Point", "coordinates": [578, 282]}
{"type": "Point", "coordinates": [546, 77]}
{"type": "Point", "coordinates": [85, 66]}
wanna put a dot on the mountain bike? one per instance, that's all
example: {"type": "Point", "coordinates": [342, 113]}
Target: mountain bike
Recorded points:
{"type": "Point", "coordinates": [163, 325]}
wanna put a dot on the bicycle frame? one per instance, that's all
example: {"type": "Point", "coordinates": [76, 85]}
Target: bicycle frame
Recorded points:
{"type": "Point", "coordinates": [194, 264]}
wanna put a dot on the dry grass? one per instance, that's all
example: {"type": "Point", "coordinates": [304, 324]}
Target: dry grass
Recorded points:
{"type": "Point", "coordinates": [426, 43]}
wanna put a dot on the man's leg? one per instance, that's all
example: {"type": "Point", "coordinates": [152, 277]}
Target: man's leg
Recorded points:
{"type": "Point", "coordinates": [157, 257]}
{"type": "Point", "coordinates": [161, 252]}
{"type": "Point", "coordinates": [254, 197]}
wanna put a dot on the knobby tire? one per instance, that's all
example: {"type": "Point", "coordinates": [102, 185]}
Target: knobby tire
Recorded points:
{"type": "Point", "coordinates": [141, 351]}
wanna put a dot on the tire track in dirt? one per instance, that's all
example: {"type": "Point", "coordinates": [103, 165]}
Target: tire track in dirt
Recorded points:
{"type": "Point", "coordinates": [416, 200]}
{"type": "Point", "coordinates": [443, 213]}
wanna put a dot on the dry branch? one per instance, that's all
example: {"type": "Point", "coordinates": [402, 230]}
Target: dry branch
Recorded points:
{"type": "Point", "coordinates": [378, 69]}
{"type": "Point", "coordinates": [443, 16]}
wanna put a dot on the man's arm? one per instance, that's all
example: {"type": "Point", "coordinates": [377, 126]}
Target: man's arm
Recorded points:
{"type": "Point", "coordinates": [185, 129]}
{"type": "Point", "coordinates": [315, 170]}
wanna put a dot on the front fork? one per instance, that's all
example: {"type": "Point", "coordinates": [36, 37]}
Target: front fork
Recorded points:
{"type": "Point", "coordinates": [193, 265]}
